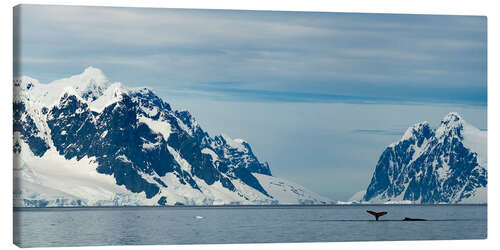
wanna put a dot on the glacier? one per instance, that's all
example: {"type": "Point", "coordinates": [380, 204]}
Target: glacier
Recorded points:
{"type": "Point", "coordinates": [87, 141]}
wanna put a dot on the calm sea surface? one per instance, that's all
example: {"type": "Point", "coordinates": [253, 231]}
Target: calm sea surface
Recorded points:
{"type": "Point", "coordinates": [43, 227]}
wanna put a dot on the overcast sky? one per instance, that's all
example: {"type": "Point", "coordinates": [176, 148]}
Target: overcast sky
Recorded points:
{"type": "Point", "coordinates": [318, 95]}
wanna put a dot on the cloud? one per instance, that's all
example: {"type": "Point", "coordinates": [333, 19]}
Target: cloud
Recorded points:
{"type": "Point", "coordinates": [378, 131]}
{"type": "Point", "coordinates": [345, 54]}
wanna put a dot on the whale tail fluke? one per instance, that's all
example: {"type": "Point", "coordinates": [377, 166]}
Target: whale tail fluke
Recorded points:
{"type": "Point", "coordinates": [376, 214]}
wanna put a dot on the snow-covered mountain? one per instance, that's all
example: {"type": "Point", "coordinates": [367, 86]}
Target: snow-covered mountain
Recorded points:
{"type": "Point", "coordinates": [86, 141]}
{"type": "Point", "coordinates": [443, 165]}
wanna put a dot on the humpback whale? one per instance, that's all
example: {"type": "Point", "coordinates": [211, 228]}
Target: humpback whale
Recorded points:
{"type": "Point", "coordinates": [413, 219]}
{"type": "Point", "coordinates": [376, 214]}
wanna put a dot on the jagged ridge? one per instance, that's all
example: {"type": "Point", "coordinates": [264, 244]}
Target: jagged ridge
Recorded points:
{"type": "Point", "coordinates": [445, 165]}
{"type": "Point", "coordinates": [136, 138]}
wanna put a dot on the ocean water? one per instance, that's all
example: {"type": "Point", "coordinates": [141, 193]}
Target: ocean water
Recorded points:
{"type": "Point", "coordinates": [44, 227]}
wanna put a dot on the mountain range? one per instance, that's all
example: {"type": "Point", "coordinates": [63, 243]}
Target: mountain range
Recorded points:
{"type": "Point", "coordinates": [87, 141]}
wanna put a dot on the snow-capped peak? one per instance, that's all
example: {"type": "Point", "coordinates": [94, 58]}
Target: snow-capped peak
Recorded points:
{"type": "Point", "coordinates": [95, 73]}
{"type": "Point", "coordinates": [473, 138]}
{"type": "Point", "coordinates": [88, 86]}
{"type": "Point", "coordinates": [419, 132]}
{"type": "Point", "coordinates": [448, 164]}
{"type": "Point", "coordinates": [451, 117]}
{"type": "Point", "coordinates": [90, 77]}
{"type": "Point", "coordinates": [451, 125]}
{"type": "Point", "coordinates": [416, 129]}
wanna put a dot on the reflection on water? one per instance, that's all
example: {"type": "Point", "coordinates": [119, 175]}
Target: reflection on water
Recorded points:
{"type": "Point", "coordinates": [198, 225]}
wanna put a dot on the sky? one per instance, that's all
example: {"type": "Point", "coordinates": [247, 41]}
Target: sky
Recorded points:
{"type": "Point", "coordinates": [318, 95]}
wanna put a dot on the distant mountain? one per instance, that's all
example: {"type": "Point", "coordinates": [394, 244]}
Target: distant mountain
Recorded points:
{"type": "Point", "coordinates": [443, 165]}
{"type": "Point", "coordinates": [84, 140]}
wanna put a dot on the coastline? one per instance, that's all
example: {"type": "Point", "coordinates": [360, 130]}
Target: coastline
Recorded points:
{"type": "Point", "coordinates": [18, 209]}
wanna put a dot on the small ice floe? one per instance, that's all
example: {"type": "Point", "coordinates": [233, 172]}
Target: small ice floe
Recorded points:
{"type": "Point", "coordinates": [198, 217]}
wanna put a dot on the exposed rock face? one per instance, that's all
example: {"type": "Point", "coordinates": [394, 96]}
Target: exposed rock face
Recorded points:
{"type": "Point", "coordinates": [135, 138]}
{"type": "Point", "coordinates": [443, 165]}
